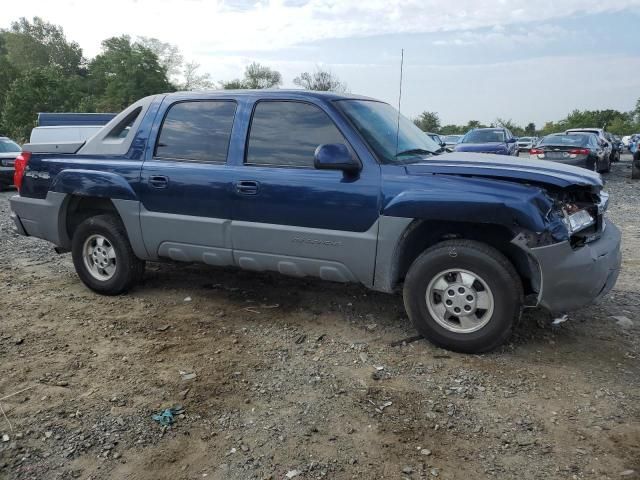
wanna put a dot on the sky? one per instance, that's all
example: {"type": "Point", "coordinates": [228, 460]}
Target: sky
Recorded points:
{"type": "Point", "coordinates": [528, 61]}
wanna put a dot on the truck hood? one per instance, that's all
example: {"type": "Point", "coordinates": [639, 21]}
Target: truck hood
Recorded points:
{"type": "Point", "coordinates": [507, 168]}
{"type": "Point", "coordinates": [481, 147]}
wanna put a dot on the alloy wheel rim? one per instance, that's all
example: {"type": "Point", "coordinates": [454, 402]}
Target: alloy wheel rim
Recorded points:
{"type": "Point", "coordinates": [99, 257]}
{"type": "Point", "coordinates": [459, 300]}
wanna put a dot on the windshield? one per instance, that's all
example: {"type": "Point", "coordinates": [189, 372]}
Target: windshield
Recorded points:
{"type": "Point", "coordinates": [484, 136]}
{"type": "Point", "coordinates": [452, 138]}
{"type": "Point", "coordinates": [377, 122]}
{"type": "Point", "coordinates": [565, 140]}
{"type": "Point", "coordinates": [7, 146]}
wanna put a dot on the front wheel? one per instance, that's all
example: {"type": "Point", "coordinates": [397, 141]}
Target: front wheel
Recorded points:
{"type": "Point", "coordinates": [463, 295]}
{"type": "Point", "coordinates": [103, 257]}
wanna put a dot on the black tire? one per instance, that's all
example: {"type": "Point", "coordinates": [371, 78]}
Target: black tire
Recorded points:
{"type": "Point", "coordinates": [635, 166]}
{"type": "Point", "coordinates": [607, 167]}
{"type": "Point", "coordinates": [129, 269]}
{"type": "Point", "coordinates": [481, 259]}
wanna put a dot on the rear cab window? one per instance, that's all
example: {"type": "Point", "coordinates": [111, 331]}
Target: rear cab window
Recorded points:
{"type": "Point", "coordinates": [286, 133]}
{"type": "Point", "coordinates": [197, 131]}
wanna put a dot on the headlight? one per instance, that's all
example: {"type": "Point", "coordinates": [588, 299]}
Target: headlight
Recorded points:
{"type": "Point", "coordinates": [576, 219]}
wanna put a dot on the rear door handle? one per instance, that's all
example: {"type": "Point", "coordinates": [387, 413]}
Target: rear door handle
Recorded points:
{"type": "Point", "coordinates": [247, 187]}
{"type": "Point", "coordinates": [158, 181]}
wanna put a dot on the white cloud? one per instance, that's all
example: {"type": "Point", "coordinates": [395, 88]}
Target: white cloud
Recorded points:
{"type": "Point", "coordinates": [234, 26]}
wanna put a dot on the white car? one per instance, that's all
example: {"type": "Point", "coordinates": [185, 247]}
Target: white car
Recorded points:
{"type": "Point", "coordinates": [526, 143]}
{"type": "Point", "coordinates": [9, 150]}
{"type": "Point", "coordinates": [64, 133]}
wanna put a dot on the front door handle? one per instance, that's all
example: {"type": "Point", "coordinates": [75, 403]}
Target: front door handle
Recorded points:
{"type": "Point", "coordinates": [247, 187]}
{"type": "Point", "coordinates": [158, 181]}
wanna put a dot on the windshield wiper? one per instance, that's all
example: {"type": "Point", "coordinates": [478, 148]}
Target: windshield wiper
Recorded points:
{"type": "Point", "coordinates": [415, 151]}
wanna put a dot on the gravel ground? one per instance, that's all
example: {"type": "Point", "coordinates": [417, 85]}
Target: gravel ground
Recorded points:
{"type": "Point", "coordinates": [301, 379]}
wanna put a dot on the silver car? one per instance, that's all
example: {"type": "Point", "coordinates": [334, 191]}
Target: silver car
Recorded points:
{"type": "Point", "coordinates": [9, 151]}
{"type": "Point", "coordinates": [526, 143]}
{"type": "Point", "coordinates": [451, 140]}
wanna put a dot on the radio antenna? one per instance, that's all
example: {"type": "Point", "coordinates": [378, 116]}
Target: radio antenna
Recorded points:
{"type": "Point", "coordinates": [399, 101]}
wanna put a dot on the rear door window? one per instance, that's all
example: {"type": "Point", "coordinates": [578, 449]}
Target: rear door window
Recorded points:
{"type": "Point", "coordinates": [287, 133]}
{"type": "Point", "coordinates": [197, 131]}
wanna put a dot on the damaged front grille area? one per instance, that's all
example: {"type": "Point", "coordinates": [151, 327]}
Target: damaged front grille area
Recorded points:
{"type": "Point", "coordinates": [583, 214]}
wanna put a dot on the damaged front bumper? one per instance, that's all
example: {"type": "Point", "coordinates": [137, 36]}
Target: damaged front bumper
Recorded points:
{"type": "Point", "coordinates": [571, 278]}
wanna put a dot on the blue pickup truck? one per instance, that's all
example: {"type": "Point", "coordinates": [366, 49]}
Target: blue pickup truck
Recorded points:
{"type": "Point", "coordinates": [338, 187]}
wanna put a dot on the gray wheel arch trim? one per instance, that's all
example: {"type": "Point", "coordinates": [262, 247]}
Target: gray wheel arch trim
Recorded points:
{"type": "Point", "coordinates": [391, 231]}
{"type": "Point", "coordinates": [46, 218]}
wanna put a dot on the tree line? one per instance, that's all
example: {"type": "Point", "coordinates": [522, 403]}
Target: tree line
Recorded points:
{"type": "Point", "coordinates": [614, 121]}
{"type": "Point", "coordinates": [42, 71]}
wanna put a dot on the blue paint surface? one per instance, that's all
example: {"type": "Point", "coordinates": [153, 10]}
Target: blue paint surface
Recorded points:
{"type": "Point", "coordinates": [456, 186]}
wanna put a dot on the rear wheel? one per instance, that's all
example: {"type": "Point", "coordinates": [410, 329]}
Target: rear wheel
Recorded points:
{"type": "Point", "coordinates": [607, 165]}
{"type": "Point", "coordinates": [103, 257]}
{"type": "Point", "coordinates": [463, 295]}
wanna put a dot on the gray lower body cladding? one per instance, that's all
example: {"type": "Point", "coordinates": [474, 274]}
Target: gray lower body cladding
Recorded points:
{"type": "Point", "coordinates": [573, 278]}
{"type": "Point", "coordinates": [40, 217]}
{"type": "Point", "coordinates": [46, 219]}
{"type": "Point", "coordinates": [568, 278]}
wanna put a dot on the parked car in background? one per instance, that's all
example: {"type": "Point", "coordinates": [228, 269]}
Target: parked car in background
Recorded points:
{"type": "Point", "coordinates": [9, 151]}
{"type": "Point", "coordinates": [440, 141]}
{"type": "Point", "coordinates": [68, 127]}
{"type": "Point", "coordinates": [498, 141]}
{"type": "Point", "coordinates": [57, 119]}
{"type": "Point", "coordinates": [470, 239]}
{"type": "Point", "coordinates": [526, 143]}
{"type": "Point", "coordinates": [616, 151]}
{"type": "Point", "coordinates": [451, 140]}
{"type": "Point", "coordinates": [635, 165]}
{"type": "Point", "coordinates": [63, 133]}
{"type": "Point", "coordinates": [601, 138]}
{"type": "Point", "coordinates": [579, 149]}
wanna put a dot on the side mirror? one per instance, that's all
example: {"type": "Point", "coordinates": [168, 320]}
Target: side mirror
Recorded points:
{"type": "Point", "coordinates": [511, 140]}
{"type": "Point", "coordinates": [335, 156]}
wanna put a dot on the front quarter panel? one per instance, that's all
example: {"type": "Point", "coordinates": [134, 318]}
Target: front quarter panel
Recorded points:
{"type": "Point", "coordinates": [463, 199]}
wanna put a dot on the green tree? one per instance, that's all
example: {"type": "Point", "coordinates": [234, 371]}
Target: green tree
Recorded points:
{"type": "Point", "coordinates": [509, 124]}
{"type": "Point", "coordinates": [193, 79]}
{"type": "Point", "coordinates": [7, 75]}
{"type": "Point", "coordinates": [38, 44]}
{"type": "Point", "coordinates": [471, 124]}
{"type": "Point", "coordinates": [256, 76]}
{"type": "Point", "coordinates": [530, 129]}
{"type": "Point", "coordinates": [428, 122]}
{"type": "Point", "coordinates": [123, 73]}
{"type": "Point", "coordinates": [320, 80]}
{"type": "Point", "coordinates": [453, 130]}
{"type": "Point", "coordinates": [169, 55]}
{"type": "Point", "coordinates": [38, 90]}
